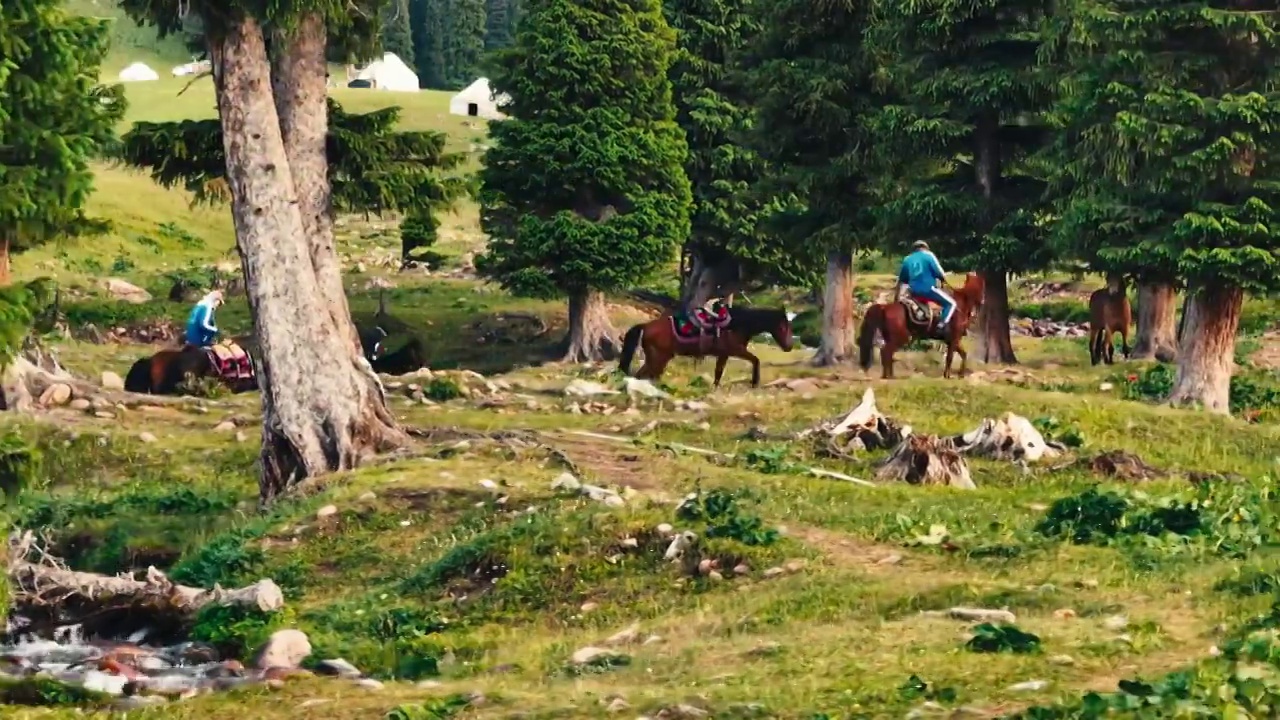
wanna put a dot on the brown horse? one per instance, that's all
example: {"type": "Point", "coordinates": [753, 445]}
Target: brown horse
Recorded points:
{"type": "Point", "coordinates": [900, 321]}
{"type": "Point", "coordinates": [662, 341]}
{"type": "Point", "coordinates": [1109, 313]}
{"type": "Point", "coordinates": [165, 372]}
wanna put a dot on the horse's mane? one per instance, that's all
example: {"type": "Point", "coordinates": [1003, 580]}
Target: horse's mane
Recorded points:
{"type": "Point", "coordinates": [756, 320]}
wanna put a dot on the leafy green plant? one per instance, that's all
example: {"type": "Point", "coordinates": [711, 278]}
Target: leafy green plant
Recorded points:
{"type": "Point", "coordinates": [442, 389]}
{"type": "Point", "coordinates": [172, 231]}
{"type": "Point", "coordinates": [1072, 311]}
{"type": "Point", "coordinates": [434, 709]}
{"type": "Point", "coordinates": [235, 630]}
{"type": "Point", "coordinates": [724, 518]}
{"type": "Point", "coordinates": [1054, 429]}
{"type": "Point", "coordinates": [769, 460]}
{"type": "Point", "coordinates": [1094, 517]}
{"type": "Point", "coordinates": [916, 688]}
{"type": "Point", "coordinates": [989, 638]}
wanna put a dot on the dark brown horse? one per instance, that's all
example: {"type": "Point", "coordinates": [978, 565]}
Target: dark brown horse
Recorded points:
{"type": "Point", "coordinates": [167, 371]}
{"type": "Point", "coordinates": [1109, 313]}
{"type": "Point", "coordinates": [901, 321]}
{"type": "Point", "coordinates": [661, 341]}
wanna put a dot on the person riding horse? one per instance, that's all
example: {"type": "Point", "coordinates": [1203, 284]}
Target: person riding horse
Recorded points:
{"type": "Point", "coordinates": [923, 275]}
{"type": "Point", "coordinates": [201, 331]}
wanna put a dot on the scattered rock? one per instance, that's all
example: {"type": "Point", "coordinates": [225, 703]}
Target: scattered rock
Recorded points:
{"type": "Point", "coordinates": [1064, 614]}
{"type": "Point", "coordinates": [591, 654]}
{"type": "Point", "coordinates": [338, 667]}
{"type": "Point", "coordinates": [369, 684]}
{"type": "Point", "coordinates": [1062, 660]}
{"type": "Point", "coordinates": [285, 649]}
{"type": "Point", "coordinates": [624, 637]}
{"type": "Point", "coordinates": [589, 606]}
{"type": "Point", "coordinates": [224, 426]}
{"type": "Point", "coordinates": [617, 705]}
{"type": "Point", "coordinates": [147, 437]}
{"type": "Point", "coordinates": [56, 394]}
{"type": "Point", "coordinates": [112, 381]}
{"type": "Point", "coordinates": [367, 496]}
{"type": "Point", "coordinates": [1116, 623]}
{"type": "Point", "coordinates": [326, 511]}
{"type": "Point", "coordinates": [587, 388]}
{"type": "Point", "coordinates": [126, 291]}
{"type": "Point", "coordinates": [80, 404]}
{"type": "Point", "coordinates": [1029, 686]}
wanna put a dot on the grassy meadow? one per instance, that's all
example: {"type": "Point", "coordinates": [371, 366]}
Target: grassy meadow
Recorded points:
{"type": "Point", "coordinates": [466, 582]}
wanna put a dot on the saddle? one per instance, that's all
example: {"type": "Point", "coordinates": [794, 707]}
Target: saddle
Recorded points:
{"type": "Point", "coordinates": [923, 314]}
{"type": "Point", "coordinates": [230, 360]}
{"type": "Point", "coordinates": [701, 323]}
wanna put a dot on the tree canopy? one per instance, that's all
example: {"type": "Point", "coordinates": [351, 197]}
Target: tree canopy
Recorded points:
{"type": "Point", "coordinates": [55, 118]}
{"type": "Point", "coordinates": [584, 187]}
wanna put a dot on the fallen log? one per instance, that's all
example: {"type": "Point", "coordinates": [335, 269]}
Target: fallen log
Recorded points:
{"type": "Point", "coordinates": [35, 378]}
{"type": "Point", "coordinates": [48, 593]}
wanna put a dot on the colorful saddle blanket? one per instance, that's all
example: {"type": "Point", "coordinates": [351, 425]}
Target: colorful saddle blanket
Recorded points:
{"type": "Point", "coordinates": [923, 315]}
{"type": "Point", "coordinates": [702, 322]}
{"type": "Point", "coordinates": [230, 361]}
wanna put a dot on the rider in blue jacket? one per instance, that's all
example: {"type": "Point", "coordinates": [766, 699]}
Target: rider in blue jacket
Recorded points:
{"type": "Point", "coordinates": [922, 272]}
{"type": "Point", "coordinates": [201, 332]}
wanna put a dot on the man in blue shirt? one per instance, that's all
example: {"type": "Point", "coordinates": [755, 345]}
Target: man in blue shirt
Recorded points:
{"type": "Point", "coordinates": [923, 274]}
{"type": "Point", "coordinates": [201, 332]}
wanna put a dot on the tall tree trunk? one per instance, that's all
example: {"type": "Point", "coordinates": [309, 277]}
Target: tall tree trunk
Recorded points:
{"type": "Point", "coordinates": [1157, 322]}
{"type": "Point", "coordinates": [1206, 356]}
{"type": "Point", "coordinates": [838, 336]}
{"type": "Point", "coordinates": [299, 88]}
{"type": "Point", "coordinates": [5, 272]}
{"type": "Point", "coordinates": [592, 336]}
{"type": "Point", "coordinates": [992, 340]}
{"type": "Point", "coordinates": [994, 345]}
{"type": "Point", "coordinates": [313, 421]}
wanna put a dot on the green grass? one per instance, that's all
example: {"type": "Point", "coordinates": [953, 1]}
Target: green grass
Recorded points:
{"type": "Point", "coordinates": [426, 573]}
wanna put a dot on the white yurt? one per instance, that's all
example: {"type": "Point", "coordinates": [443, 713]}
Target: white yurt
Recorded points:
{"type": "Point", "coordinates": [390, 73]}
{"type": "Point", "coordinates": [138, 72]}
{"type": "Point", "coordinates": [477, 100]}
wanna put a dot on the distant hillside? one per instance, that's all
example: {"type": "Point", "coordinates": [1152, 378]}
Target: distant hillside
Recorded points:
{"type": "Point", "coordinates": [129, 42]}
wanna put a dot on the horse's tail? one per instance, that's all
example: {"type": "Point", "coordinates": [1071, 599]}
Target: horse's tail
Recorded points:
{"type": "Point", "coordinates": [630, 342]}
{"type": "Point", "coordinates": [872, 323]}
{"type": "Point", "coordinates": [138, 379]}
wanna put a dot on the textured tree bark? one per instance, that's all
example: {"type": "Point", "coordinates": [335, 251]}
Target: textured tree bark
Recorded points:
{"type": "Point", "coordinates": [5, 244]}
{"type": "Point", "coordinates": [592, 336]}
{"type": "Point", "coordinates": [313, 418]}
{"type": "Point", "coordinates": [300, 91]}
{"type": "Point", "coordinates": [838, 333]}
{"type": "Point", "coordinates": [1157, 322]}
{"type": "Point", "coordinates": [1206, 356]}
{"type": "Point", "coordinates": [991, 327]}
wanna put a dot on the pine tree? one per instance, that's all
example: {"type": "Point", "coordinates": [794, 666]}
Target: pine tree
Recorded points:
{"type": "Point", "coordinates": [499, 24]}
{"type": "Point", "coordinates": [54, 119]}
{"type": "Point", "coordinates": [713, 108]}
{"type": "Point", "coordinates": [427, 28]}
{"type": "Point", "coordinates": [584, 188]}
{"type": "Point", "coordinates": [395, 33]}
{"type": "Point", "coordinates": [974, 116]}
{"type": "Point", "coordinates": [464, 29]}
{"type": "Point", "coordinates": [811, 80]}
{"type": "Point", "coordinates": [1172, 120]}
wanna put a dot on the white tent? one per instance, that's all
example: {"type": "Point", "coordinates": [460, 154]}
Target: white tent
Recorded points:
{"type": "Point", "coordinates": [390, 73]}
{"type": "Point", "coordinates": [477, 100]}
{"type": "Point", "coordinates": [138, 72]}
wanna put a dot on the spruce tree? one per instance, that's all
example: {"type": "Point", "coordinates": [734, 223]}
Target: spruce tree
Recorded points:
{"type": "Point", "coordinates": [395, 33]}
{"type": "Point", "coordinates": [427, 28]}
{"type": "Point", "coordinates": [499, 24]}
{"type": "Point", "coordinates": [712, 106]}
{"type": "Point", "coordinates": [975, 97]}
{"type": "Point", "coordinates": [584, 188]}
{"type": "Point", "coordinates": [463, 49]}
{"type": "Point", "coordinates": [812, 87]}
{"type": "Point", "coordinates": [1172, 120]}
{"type": "Point", "coordinates": [54, 119]}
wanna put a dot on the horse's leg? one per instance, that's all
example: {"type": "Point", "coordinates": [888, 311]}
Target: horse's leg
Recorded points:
{"type": "Point", "coordinates": [1109, 350]}
{"type": "Point", "coordinates": [951, 353]}
{"type": "Point", "coordinates": [964, 358]}
{"type": "Point", "coordinates": [746, 354]}
{"type": "Point", "coordinates": [1124, 341]}
{"type": "Point", "coordinates": [721, 361]}
{"type": "Point", "coordinates": [1095, 352]}
{"type": "Point", "coordinates": [886, 357]}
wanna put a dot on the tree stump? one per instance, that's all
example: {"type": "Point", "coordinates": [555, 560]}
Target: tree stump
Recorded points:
{"type": "Point", "coordinates": [927, 460]}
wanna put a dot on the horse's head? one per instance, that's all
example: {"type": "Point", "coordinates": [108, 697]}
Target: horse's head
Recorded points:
{"type": "Point", "coordinates": [371, 342]}
{"type": "Point", "coordinates": [781, 332]}
{"type": "Point", "coordinates": [973, 292]}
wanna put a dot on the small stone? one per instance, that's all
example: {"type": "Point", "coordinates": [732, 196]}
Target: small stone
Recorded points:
{"type": "Point", "coordinates": [1064, 614]}
{"type": "Point", "coordinates": [224, 426]}
{"type": "Point", "coordinates": [488, 484]}
{"type": "Point", "coordinates": [774, 572]}
{"type": "Point", "coordinates": [1062, 660]}
{"type": "Point", "coordinates": [715, 575]}
{"type": "Point", "coordinates": [429, 684]}
{"type": "Point", "coordinates": [618, 705]}
{"type": "Point", "coordinates": [665, 529]}
{"type": "Point", "coordinates": [240, 436]}
{"type": "Point", "coordinates": [326, 511]}
{"type": "Point", "coordinates": [105, 415]}
{"type": "Point", "coordinates": [795, 566]}
{"type": "Point", "coordinates": [80, 404]}
{"type": "Point", "coordinates": [566, 481]}
{"type": "Point", "coordinates": [338, 667]}
{"type": "Point", "coordinates": [625, 636]}
{"type": "Point", "coordinates": [285, 649]}
{"type": "Point", "coordinates": [1029, 686]}
{"type": "Point", "coordinates": [56, 394]}
{"type": "Point", "coordinates": [1116, 623]}
{"type": "Point", "coordinates": [630, 542]}
{"type": "Point", "coordinates": [313, 702]}
{"type": "Point", "coordinates": [111, 381]}
{"type": "Point", "coordinates": [369, 684]}
{"type": "Point", "coordinates": [146, 437]}
{"type": "Point", "coordinates": [589, 606]}
{"type": "Point", "coordinates": [741, 569]}
{"type": "Point", "coordinates": [367, 496]}
{"type": "Point", "coordinates": [890, 559]}
{"type": "Point", "coordinates": [705, 566]}
{"type": "Point", "coordinates": [590, 654]}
